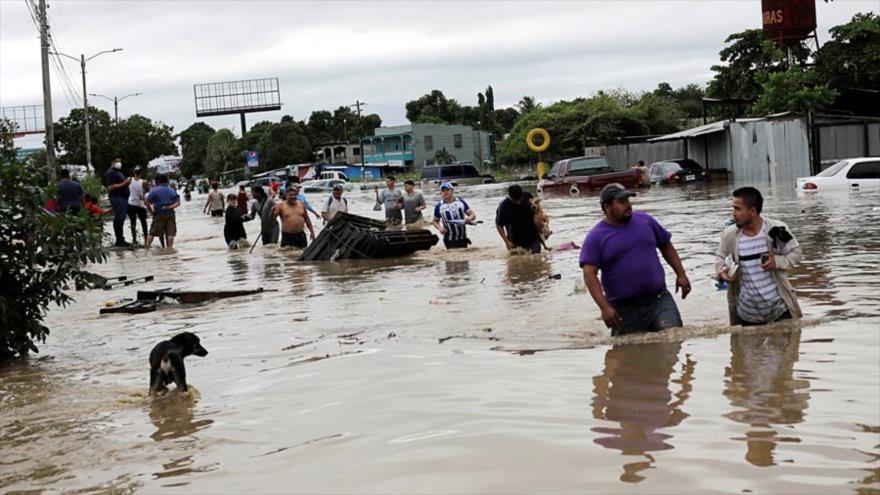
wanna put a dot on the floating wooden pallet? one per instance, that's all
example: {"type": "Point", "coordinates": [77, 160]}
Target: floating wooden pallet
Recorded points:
{"type": "Point", "coordinates": [350, 236]}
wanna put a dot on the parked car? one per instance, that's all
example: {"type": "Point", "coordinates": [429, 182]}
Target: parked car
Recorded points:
{"type": "Point", "coordinates": [575, 176]}
{"type": "Point", "coordinates": [457, 173]}
{"type": "Point", "coordinates": [325, 185]}
{"type": "Point", "coordinates": [678, 171]}
{"type": "Point", "coordinates": [850, 174]}
{"type": "Point", "coordinates": [333, 174]}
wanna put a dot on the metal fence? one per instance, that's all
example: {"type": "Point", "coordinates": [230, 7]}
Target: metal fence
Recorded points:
{"type": "Point", "coordinates": [623, 155]}
{"type": "Point", "coordinates": [837, 142]}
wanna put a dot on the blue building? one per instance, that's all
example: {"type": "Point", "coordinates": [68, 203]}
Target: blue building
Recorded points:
{"type": "Point", "coordinates": [412, 146]}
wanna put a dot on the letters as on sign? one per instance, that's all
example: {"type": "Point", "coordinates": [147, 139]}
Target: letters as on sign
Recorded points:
{"type": "Point", "coordinates": [772, 17]}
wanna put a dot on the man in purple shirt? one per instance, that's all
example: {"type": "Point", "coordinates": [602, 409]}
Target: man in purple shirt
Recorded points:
{"type": "Point", "coordinates": [624, 245]}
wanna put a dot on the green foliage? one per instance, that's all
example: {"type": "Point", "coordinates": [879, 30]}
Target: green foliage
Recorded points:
{"type": "Point", "coordinates": [747, 54]}
{"type": "Point", "coordinates": [794, 90]}
{"type": "Point", "coordinates": [342, 125]}
{"type": "Point", "coordinates": [443, 157]}
{"type": "Point", "coordinates": [285, 143]}
{"type": "Point", "coordinates": [527, 104]}
{"type": "Point", "coordinates": [852, 56]}
{"type": "Point", "coordinates": [223, 153]}
{"type": "Point", "coordinates": [92, 184]}
{"type": "Point", "coordinates": [688, 100]}
{"type": "Point", "coordinates": [602, 119]}
{"type": "Point", "coordinates": [194, 148]}
{"type": "Point", "coordinates": [40, 254]}
{"type": "Point", "coordinates": [136, 140]}
{"type": "Point", "coordinates": [7, 145]}
{"type": "Point", "coordinates": [434, 108]}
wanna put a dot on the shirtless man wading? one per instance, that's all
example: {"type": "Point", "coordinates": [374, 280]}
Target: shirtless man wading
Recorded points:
{"type": "Point", "coordinates": [294, 219]}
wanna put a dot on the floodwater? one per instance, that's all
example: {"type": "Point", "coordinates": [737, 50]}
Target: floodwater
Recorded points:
{"type": "Point", "coordinates": [467, 371]}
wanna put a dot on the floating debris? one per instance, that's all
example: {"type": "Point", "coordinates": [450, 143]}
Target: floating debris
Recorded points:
{"type": "Point", "coordinates": [350, 236]}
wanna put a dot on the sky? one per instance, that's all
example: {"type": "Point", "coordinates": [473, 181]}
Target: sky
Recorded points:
{"type": "Point", "coordinates": [328, 54]}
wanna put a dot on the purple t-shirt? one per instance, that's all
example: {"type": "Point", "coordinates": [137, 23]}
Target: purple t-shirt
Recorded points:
{"type": "Point", "coordinates": [627, 257]}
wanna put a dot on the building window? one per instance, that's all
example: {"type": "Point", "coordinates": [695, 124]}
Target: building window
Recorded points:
{"type": "Point", "coordinates": [356, 152]}
{"type": "Point", "coordinates": [429, 143]}
{"type": "Point", "coordinates": [456, 140]}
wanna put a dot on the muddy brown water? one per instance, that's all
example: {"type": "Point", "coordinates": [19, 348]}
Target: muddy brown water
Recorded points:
{"type": "Point", "coordinates": [467, 371]}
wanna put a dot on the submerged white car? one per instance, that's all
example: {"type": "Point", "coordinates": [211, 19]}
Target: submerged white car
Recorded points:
{"type": "Point", "coordinates": [852, 173]}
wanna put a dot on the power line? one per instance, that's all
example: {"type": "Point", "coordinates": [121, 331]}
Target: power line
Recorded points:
{"type": "Point", "coordinates": [67, 85]}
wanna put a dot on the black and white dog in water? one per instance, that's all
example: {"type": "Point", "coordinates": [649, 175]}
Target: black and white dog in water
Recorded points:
{"type": "Point", "coordinates": [166, 361]}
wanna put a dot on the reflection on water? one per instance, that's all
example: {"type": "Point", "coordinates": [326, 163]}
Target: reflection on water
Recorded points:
{"type": "Point", "coordinates": [172, 415]}
{"type": "Point", "coordinates": [634, 391]}
{"type": "Point", "coordinates": [761, 384]}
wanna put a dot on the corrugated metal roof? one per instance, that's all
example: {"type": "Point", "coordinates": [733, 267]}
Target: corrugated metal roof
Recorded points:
{"type": "Point", "coordinates": [711, 128]}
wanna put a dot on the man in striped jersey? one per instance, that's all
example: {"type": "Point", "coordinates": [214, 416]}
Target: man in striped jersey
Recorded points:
{"type": "Point", "coordinates": [763, 250]}
{"type": "Point", "coordinates": [451, 216]}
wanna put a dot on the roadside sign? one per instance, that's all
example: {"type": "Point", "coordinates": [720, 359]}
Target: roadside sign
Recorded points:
{"type": "Point", "coordinates": [253, 159]}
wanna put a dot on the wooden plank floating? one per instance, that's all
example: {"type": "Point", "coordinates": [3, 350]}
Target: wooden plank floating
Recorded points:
{"type": "Point", "coordinates": [350, 236]}
{"type": "Point", "coordinates": [148, 300]}
{"type": "Point", "coordinates": [192, 297]}
{"type": "Point", "coordinates": [129, 306]}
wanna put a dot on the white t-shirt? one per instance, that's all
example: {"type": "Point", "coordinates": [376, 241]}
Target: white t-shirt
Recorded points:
{"type": "Point", "coordinates": [759, 300]}
{"type": "Point", "coordinates": [136, 192]}
{"type": "Point", "coordinates": [333, 205]}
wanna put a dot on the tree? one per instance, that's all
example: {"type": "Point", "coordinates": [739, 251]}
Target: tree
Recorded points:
{"type": "Point", "coordinates": [504, 120]}
{"type": "Point", "coordinates": [136, 140]}
{"type": "Point", "coordinates": [435, 108]}
{"type": "Point", "coordinates": [224, 153]}
{"type": "Point", "coordinates": [285, 143]}
{"type": "Point", "coordinates": [251, 139]}
{"type": "Point", "coordinates": [794, 90]}
{"type": "Point", "coordinates": [369, 124]}
{"type": "Point", "coordinates": [527, 104]}
{"type": "Point", "coordinates": [852, 56]}
{"type": "Point", "coordinates": [194, 148]}
{"type": "Point", "coordinates": [7, 144]}
{"type": "Point", "coordinates": [321, 127]}
{"type": "Point", "coordinates": [70, 140]}
{"type": "Point", "coordinates": [444, 157]}
{"type": "Point", "coordinates": [747, 54]}
{"type": "Point", "coordinates": [40, 253]}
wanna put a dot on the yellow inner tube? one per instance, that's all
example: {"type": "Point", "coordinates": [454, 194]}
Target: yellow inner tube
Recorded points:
{"type": "Point", "coordinates": [530, 140]}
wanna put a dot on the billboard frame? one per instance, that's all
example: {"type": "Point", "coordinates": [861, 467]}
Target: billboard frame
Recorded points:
{"type": "Point", "coordinates": [25, 114]}
{"type": "Point", "coordinates": [237, 97]}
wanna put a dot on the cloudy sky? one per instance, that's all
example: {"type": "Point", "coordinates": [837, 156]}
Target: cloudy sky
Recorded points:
{"type": "Point", "coordinates": [384, 53]}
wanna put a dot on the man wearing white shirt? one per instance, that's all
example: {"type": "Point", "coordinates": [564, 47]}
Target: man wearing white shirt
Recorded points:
{"type": "Point", "coordinates": [136, 207]}
{"type": "Point", "coordinates": [334, 204]}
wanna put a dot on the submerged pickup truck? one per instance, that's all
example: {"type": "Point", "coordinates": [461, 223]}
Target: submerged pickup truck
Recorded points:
{"type": "Point", "coordinates": [577, 176]}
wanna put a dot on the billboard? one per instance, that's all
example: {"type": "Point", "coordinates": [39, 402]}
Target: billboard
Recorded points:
{"type": "Point", "coordinates": [788, 21]}
{"type": "Point", "coordinates": [27, 119]}
{"type": "Point", "coordinates": [231, 97]}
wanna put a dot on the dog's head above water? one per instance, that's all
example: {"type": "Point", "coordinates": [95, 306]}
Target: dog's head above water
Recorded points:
{"type": "Point", "coordinates": [189, 344]}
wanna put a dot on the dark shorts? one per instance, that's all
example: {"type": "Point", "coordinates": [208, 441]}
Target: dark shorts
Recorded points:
{"type": "Point", "coordinates": [456, 244]}
{"type": "Point", "coordinates": [647, 314]}
{"type": "Point", "coordinates": [295, 240]}
{"type": "Point", "coordinates": [216, 213]}
{"type": "Point", "coordinates": [163, 225]}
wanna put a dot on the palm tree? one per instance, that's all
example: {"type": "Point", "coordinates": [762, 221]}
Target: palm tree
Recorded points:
{"type": "Point", "coordinates": [443, 157]}
{"type": "Point", "coordinates": [527, 104]}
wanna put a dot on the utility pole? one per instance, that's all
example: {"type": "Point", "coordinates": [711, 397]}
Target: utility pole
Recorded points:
{"type": "Point", "coordinates": [47, 95]}
{"type": "Point", "coordinates": [115, 101]}
{"type": "Point", "coordinates": [358, 104]}
{"type": "Point", "coordinates": [82, 64]}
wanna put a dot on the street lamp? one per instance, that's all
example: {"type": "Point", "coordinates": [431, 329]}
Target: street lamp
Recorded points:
{"type": "Point", "coordinates": [115, 101]}
{"type": "Point", "coordinates": [82, 64]}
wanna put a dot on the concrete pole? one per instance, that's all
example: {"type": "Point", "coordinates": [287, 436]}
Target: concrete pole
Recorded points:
{"type": "Point", "coordinates": [51, 163]}
{"type": "Point", "coordinates": [89, 167]}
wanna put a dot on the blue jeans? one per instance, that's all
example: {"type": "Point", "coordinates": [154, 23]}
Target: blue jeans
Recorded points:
{"type": "Point", "coordinates": [120, 211]}
{"type": "Point", "coordinates": [647, 314]}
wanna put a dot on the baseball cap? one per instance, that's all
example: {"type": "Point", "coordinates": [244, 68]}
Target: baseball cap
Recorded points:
{"type": "Point", "coordinates": [337, 186]}
{"type": "Point", "coordinates": [296, 185]}
{"type": "Point", "coordinates": [446, 185]}
{"type": "Point", "coordinates": [613, 191]}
